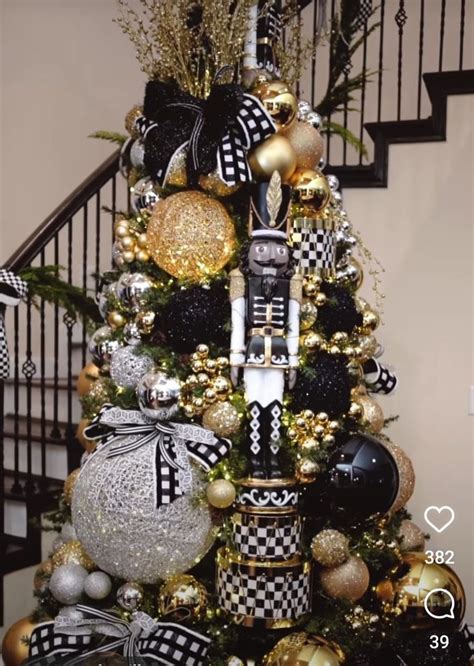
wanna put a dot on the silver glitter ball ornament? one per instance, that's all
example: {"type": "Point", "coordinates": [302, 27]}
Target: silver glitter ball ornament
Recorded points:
{"type": "Point", "coordinates": [102, 345]}
{"type": "Point", "coordinates": [71, 613]}
{"type": "Point", "coordinates": [137, 154]}
{"type": "Point", "coordinates": [314, 119]}
{"type": "Point", "coordinates": [133, 290]}
{"type": "Point", "coordinates": [131, 333]}
{"type": "Point", "coordinates": [130, 596]}
{"type": "Point", "coordinates": [98, 585]}
{"type": "Point", "coordinates": [158, 395]}
{"type": "Point", "coordinates": [333, 182]}
{"type": "Point", "coordinates": [127, 367]}
{"type": "Point", "coordinates": [143, 195]}
{"type": "Point", "coordinates": [68, 533]}
{"type": "Point", "coordinates": [67, 583]}
{"type": "Point", "coordinates": [304, 107]}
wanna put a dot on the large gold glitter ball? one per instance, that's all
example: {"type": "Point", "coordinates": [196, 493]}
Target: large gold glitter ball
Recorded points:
{"type": "Point", "coordinates": [182, 597]}
{"type": "Point", "coordinates": [372, 412]}
{"type": "Point", "coordinates": [190, 235]}
{"type": "Point", "coordinates": [302, 649]}
{"type": "Point", "coordinates": [406, 473]}
{"type": "Point", "coordinates": [274, 154]}
{"type": "Point", "coordinates": [348, 581]}
{"type": "Point", "coordinates": [15, 645]}
{"type": "Point", "coordinates": [69, 484]}
{"type": "Point", "coordinates": [412, 538]}
{"type": "Point", "coordinates": [311, 188]}
{"type": "Point", "coordinates": [222, 418]}
{"type": "Point", "coordinates": [88, 375]}
{"type": "Point", "coordinates": [278, 100]}
{"type": "Point", "coordinates": [307, 143]}
{"type": "Point", "coordinates": [422, 578]}
{"type": "Point", "coordinates": [330, 548]}
{"type": "Point", "coordinates": [221, 493]}
{"type": "Point", "coordinates": [72, 552]}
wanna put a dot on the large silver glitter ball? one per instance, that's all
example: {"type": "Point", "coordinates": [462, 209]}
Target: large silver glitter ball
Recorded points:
{"type": "Point", "coordinates": [133, 290]}
{"type": "Point", "coordinates": [117, 520]}
{"type": "Point", "coordinates": [158, 395]}
{"type": "Point", "coordinates": [67, 583]}
{"type": "Point", "coordinates": [143, 195]}
{"type": "Point", "coordinates": [137, 154]}
{"type": "Point", "coordinates": [102, 345]}
{"type": "Point", "coordinates": [127, 367]}
{"type": "Point", "coordinates": [130, 596]}
{"type": "Point", "coordinates": [97, 585]}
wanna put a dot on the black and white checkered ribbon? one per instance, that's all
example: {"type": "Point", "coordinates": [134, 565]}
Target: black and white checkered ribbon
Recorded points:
{"type": "Point", "coordinates": [12, 290]}
{"type": "Point", "coordinates": [379, 377]}
{"type": "Point", "coordinates": [143, 638]}
{"type": "Point", "coordinates": [124, 431]}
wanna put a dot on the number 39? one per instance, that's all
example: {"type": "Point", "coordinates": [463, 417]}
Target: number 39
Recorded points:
{"type": "Point", "coordinates": [439, 641]}
{"type": "Point", "coordinates": [439, 557]}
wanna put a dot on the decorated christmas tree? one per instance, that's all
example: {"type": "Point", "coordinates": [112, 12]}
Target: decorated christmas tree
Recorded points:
{"type": "Point", "coordinates": [239, 500]}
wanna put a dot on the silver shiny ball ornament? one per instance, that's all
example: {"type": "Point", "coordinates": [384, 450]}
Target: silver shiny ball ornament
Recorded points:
{"type": "Point", "coordinates": [132, 334]}
{"type": "Point", "coordinates": [67, 583]}
{"type": "Point", "coordinates": [102, 345]}
{"type": "Point", "coordinates": [304, 107]}
{"type": "Point", "coordinates": [117, 257]}
{"type": "Point", "coordinates": [158, 395]}
{"type": "Point", "coordinates": [133, 290]}
{"type": "Point", "coordinates": [337, 196]}
{"type": "Point", "coordinates": [322, 164]}
{"type": "Point", "coordinates": [314, 119]}
{"type": "Point", "coordinates": [130, 596]}
{"type": "Point", "coordinates": [98, 585]}
{"type": "Point", "coordinates": [333, 182]}
{"type": "Point", "coordinates": [68, 532]}
{"type": "Point", "coordinates": [103, 298]}
{"type": "Point", "coordinates": [144, 195]}
{"type": "Point", "coordinates": [137, 154]}
{"type": "Point", "coordinates": [127, 367]}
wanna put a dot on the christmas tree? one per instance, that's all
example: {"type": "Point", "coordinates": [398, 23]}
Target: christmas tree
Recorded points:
{"type": "Point", "coordinates": [238, 500]}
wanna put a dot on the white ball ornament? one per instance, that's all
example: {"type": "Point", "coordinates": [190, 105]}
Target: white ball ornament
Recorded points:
{"type": "Point", "coordinates": [97, 585]}
{"type": "Point", "coordinates": [67, 583]}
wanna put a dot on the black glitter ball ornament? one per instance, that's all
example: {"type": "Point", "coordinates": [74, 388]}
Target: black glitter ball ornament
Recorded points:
{"type": "Point", "coordinates": [197, 315]}
{"type": "Point", "coordinates": [363, 476]}
{"type": "Point", "coordinates": [340, 312]}
{"type": "Point", "coordinates": [323, 387]}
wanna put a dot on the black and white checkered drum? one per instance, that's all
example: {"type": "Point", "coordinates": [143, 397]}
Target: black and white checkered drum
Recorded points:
{"type": "Point", "coordinates": [266, 537]}
{"type": "Point", "coordinates": [263, 592]}
{"type": "Point", "coordinates": [314, 246]}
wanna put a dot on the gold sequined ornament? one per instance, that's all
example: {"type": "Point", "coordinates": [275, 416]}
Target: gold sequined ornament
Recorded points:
{"type": "Point", "coordinates": [406, 473]}
{"type": "Point", "coordinates": [278, 100]}
{"type": "Point", "coordinates": [15, 645]}
{"type": "Point", "coordinates": [273, 154]}
{"type": "Point", "coordinates": [311, 189]}
{"type": "Point", "coordinates": [372, 412]}
{"type": "Point", "coordinates": [190, 235]}
{"type": "Point", "coordinates": [88, 375]}
{"type": "Point", "coordinates": [412, 590]}
{"type": "Point", "coordinates": [69, 484]}
{"type": "Point", "coordinates": [330, 548]}
{"type": "Point", "coordinates": [130, 120]}
{"type": "Point", "coordinates": [222, 418]}
{"type": "Point", "coordinates": [181, 598]}
{"type": "Point", "coordinates": [221, 493]}
{"type": "Point", "coordinates": [348, 581]}
{"type": "Point", "coordinates": [307, 143]}
{"type": "Point", "coordinates": [412, 537]}
{"type": "Point", "coordinates": [302, 649]}
{"type": "Point", "coordinates": [72, 552]}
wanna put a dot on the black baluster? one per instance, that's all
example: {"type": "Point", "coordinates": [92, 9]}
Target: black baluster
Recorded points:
{"type": "Point", "coordinates": [441, 34]}
{"type": "Point", "coordinates": [364, 84]}
{"type": "Point", "coordinates": [55, 431]}
{"type": "Point", "coordinates": [43, 384]}
{"type": "Point", "coordinates": [69, 321]}
{"type": "Point", "coordinates": [29, 371]}
{"type": "Point", "coordinates": [380, 76]}
{"type": "Point", "coordinates": [400, 20]}
{"type": "Point", "coordinates": [97, 237]}
{"type": "Point", "coordinates": [313, 59]}
{"type": "Point", "coordinates": [85, 255]}
{"type": "Point", "coordinates": [16, 487]}
{"type": "Point", "coordinates": [461, 33]}
{"type": "Point", "coordinates": [331, 47]}
{"type": "Point", "coordinates": [420, 55]}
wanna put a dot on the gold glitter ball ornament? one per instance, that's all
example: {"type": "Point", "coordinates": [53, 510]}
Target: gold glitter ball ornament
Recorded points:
{"type": "Point", "coordinates": [412, 537]}
{"type": "Point", "coordinates": [278, 100]}
{"type": "Point", "coordinates": [72, 552]}
{"type": "Point", "coordinates": [221, 493]}
{"type": "Point", "coordinates": [177, 176]}
{"type": "Point", "coordinates": [307, 143]}
{"type": "Point", "coordinates": [131, 118]}
{"type": "Point", "coordinates": [311, 189]}
{"type": "Point", "coordinates": [214, 184]}
{"type": "Point", "coordinates": [15, 645]}
{"type": "Point", "coordinates": [302, 649]}
{"type": "Point", "coordinates": [69, 484]}
{"type": "Point", "coordinates": [88, 375]}
{"type": "Point", "coordinates": [406, 473]}
{"type": "Point", "coordinates": [222, 418]}
{"type": "Point", "coordinates": [182, 597]}
{"type": "Point", "coordinates": [348, 581]}
{"type": "Point", "coordinates": [190, 235]}
{"type": "Point", "coordinates": [372, 412]}
{"type": "Point", "coordinates": [330, 548]}
{"type": "Point", "coordinates": [273, 154]}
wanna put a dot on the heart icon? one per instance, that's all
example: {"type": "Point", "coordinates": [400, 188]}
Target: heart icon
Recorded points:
{"type": "Point", "coordinates": [441, 517]}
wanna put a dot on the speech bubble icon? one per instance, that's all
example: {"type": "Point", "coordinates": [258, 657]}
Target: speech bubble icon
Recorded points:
{"type": "Point", "coordinates": [439, 604]}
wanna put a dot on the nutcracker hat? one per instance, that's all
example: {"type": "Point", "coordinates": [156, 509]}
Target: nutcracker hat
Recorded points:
{"type": "Point", "coordinates": [269, 209]}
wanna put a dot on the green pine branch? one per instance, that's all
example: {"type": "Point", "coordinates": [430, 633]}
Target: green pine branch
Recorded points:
{"type": "Point", "coordinates": [113, 137]}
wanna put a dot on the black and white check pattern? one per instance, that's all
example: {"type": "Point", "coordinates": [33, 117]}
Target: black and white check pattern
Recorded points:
{"type": "Point", "coordinates": [313, 249]}
{"type": "Point", "coordinates": [12, 290]}
{"type": "Point", "coordinates": [45, 642]}
{"type": "Point", "coordinates": [264, 593]}
{"type": "Point", "coordinates": [266, 537]}
{"type": "Point", "coordinates": [380, 378]}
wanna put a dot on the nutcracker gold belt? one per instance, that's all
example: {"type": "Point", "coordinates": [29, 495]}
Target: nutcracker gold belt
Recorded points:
{"type": "Point", "coordinates": [268, 330]}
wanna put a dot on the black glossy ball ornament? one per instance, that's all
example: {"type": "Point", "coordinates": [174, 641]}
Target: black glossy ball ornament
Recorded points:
{"type": "Point", "coordinates": [323, 387]}
{"type": "Point", "coordinates": [363, 476]}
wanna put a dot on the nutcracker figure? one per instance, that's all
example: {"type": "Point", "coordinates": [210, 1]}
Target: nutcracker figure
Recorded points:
{"type": "Point", "coordinates": [266, 297]}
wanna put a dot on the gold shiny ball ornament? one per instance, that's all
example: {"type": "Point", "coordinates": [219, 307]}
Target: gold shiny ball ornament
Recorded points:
{"type": "Point", "coordinates": [121, 230]}
{"type": "Point", "coordinates": [349, 580]}
{"type": "Point", "coordinates": [330, 548]}
{"type": "Point", "coordinates": [143, 256]}
{"type": "Point", "coordinates": [279, 101]}
{"type": "Point", "coordinates": [302, 649]}
{"type": "Point", "coordinates": [190, 235]}
{"type": "Point", "coordinates": [130, 120]}
{"type": "Point", "coordinates": [412, 538]}
{"type": "Point", "coordinates": [127, 243]}
{"type": "Point", "coordinates": [312, 341]}
{"type": "Point", "coordinates": [309, 444]}
{"type": "Point", "coordinates": [307, 143]}
{"type": "Point", "coordinates": [81, 438]}
{"type": "Point", "coordinates": [406, 475]}
{"type": "Point", "coordinates": [308, 315]}
{"type": "Point", "coordinates": [274, 154]}
{"type": "Point", "coordinates": [142, 241]}
{"type": "Point", "coordinates": [69, 484]}
{"type": "Point", "coordinates": [222, 387]}
{"type": "Point", "coordinates": [384, 591]}
{"type": "Point", "coordinates": [202, 351]}
{"type": "Point", "coordinates": [88, 375]}
{"type": "Point", "coordinates": [370, 320]}
{"type": "Point", "coordinates": [352, 274]}
{"type": "Point", "coordinates": [311, 188]}
{"type": "Point", "coordinates": [222, 418]}
{"type": "Point", "coordinates": [355, 410]}
{"type": "Point", "coordinates": [15, 645]}
{"type": "Point", "coordinates": [372, 413]}
{"type": "Point", "coordinates": [72, 552]}
{"type": "Point", "coordinates": [221, 493]}
{"type": "Point", "coordinates": [128, 256]}
{"type": "Point", "coordinates": [182, 597]}
{"type": "Point", "coordinates": [306, 470]}
{"type": "Point", "coordinates": [214, 184]}
{"type": "Point", "coordinates": [320, 299]}
{"type": "Point", "coordinates": [145, 321]}
{"type": "Point", "coordinates": [116, 320]}
{"type": "Point", "coordinates": [42, 573]}
{"type": "Point", "coordinates": [422, 579]}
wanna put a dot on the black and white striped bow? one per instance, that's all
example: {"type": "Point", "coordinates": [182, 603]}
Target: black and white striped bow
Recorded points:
{"type": "Point", "coordinates": [142, 638]}
{"type": "Point", "coordinates": [12, 290]}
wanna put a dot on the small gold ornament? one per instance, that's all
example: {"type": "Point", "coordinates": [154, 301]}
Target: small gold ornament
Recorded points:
{"type": "Point", "coordinates": [349, 580]}
{"type": "Point", "coordinates": [406, 475]}
{"type": "Point", "coordinates": [308, 315]}
{"type": "Point", "coordinates": [302, 649]}
{"type": "Point", "coordinates": [355, 410]}
{"type": "Point", "coordinates": [234, 661]}
{"type": "Point", "coordinates": [312, 341]}
{"type": "Point", "coordinates": [306, 470]}
{"type": "Point", "coordinates": [307, 143]}
{"type": "Point", "coordinates": [143, 256]}
{"type": "Point", "coordinates": [145, 321]}
{"type": "Point", "coordinates": [69, 484]}
{"type": "Point", "coordinates": [72, 552]}
{"type": "Point", "coordinates": [221, 493]}
{"type": "Point", "coordinates": [182, 597]}
{"type": "Point", "coordinates": [15, 645]}
{"type": "Point", "coordinates": [412, 537]}
{"type": "Point", "coordinates": [116, 320]}
{"type": "Point", "coordinates": [278, 100]}
{"type": "Point", "coordinates": [370, 320]}
{"type": "Point", "coordinates": [214, 184]}
{"type": "Point", "coordinates": [128, 256]}
{"type": "Point", "coordinates": [88, 375]}
{"type": "Point", "coordinates": [385, 591]}
{"type": "Point", "coordinates": [83, 441]}
{"type": "Point", "coordinates": [372, 413]}
{"type": "Point", "coordinates": [127, 243]}
{"type": "Point", "coordinates": [311, 189]}
{"type": "Point", "coordinates": [44, 570]}
{"type": "Point", "coordinates": [222, 418]}
{"type": "Point", "coordinates": [330, 548]}
{"type": "Point", "coordinates": [273, 154]}
{"type": "Point", "coordinates": [223, 387]}
{"type": "Point", "coordinates": [190, 235]}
